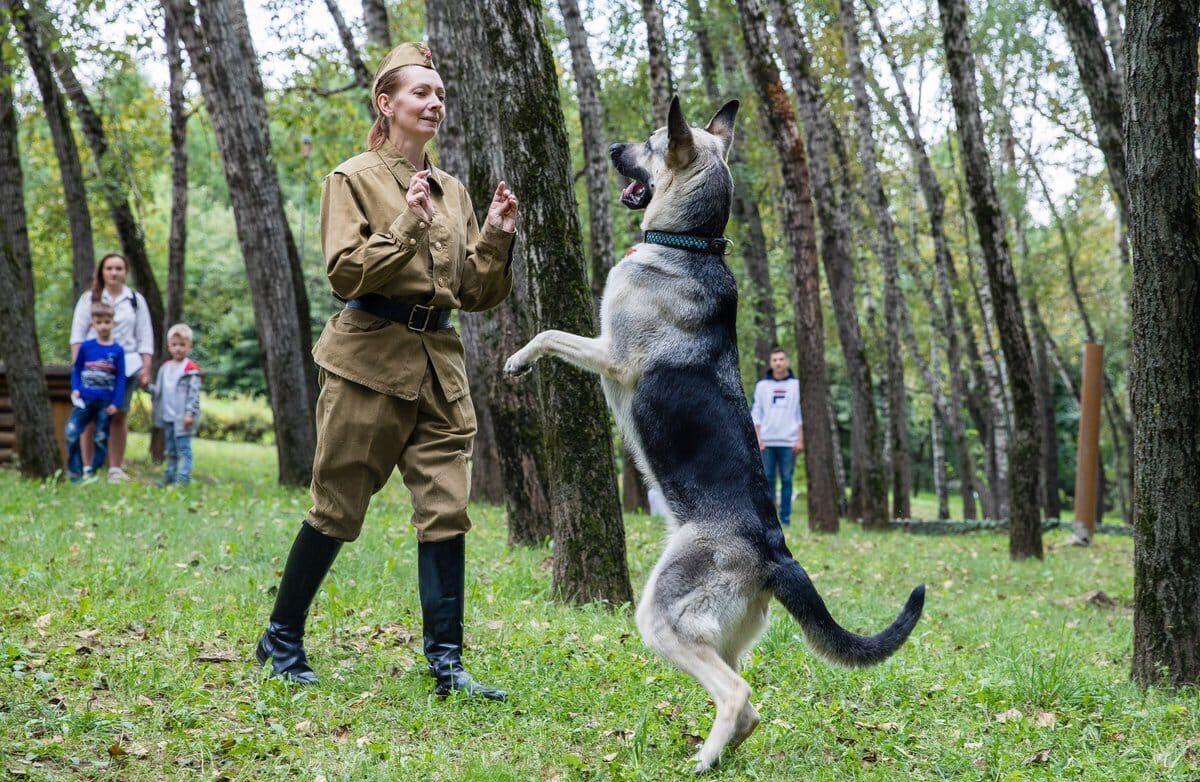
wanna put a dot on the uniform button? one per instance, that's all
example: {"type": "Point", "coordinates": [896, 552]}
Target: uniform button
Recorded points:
{"type": "Point", "coordinates": [442, 281]}
{"type": "Point", "coordinates": [412, 240]}
{"type": "Point", "coordinates": [421, 224]}
{"type": "Point", "coordinates": [437, 245]}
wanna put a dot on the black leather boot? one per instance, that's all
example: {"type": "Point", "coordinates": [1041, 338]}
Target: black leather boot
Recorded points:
{"type": "Point", "coordinates": [440, 575]}
{"type": "Point", "coordinates": [283, 641]}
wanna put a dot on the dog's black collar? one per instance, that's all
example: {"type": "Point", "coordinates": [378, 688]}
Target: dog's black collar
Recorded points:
{"type": "Point", "coordinates": [718, 245]}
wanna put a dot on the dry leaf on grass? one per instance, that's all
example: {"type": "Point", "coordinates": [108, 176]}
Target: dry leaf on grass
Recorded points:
{"type": "Point", "coordinates": [1012, 715]}
{"type": "Point", "coordinates": [1041, 756]}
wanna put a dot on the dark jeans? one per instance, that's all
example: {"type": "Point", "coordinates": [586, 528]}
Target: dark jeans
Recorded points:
{"type": "Point", "coordinates": [779, 460]}
{"type": "Point", "coordinates": [79, 420]}
{"type": "Point", "coordinates": [179, 456]}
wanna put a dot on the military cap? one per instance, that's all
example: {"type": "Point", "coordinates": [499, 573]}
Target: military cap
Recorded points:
{"type": "Point", "coordinates": [404, 54]}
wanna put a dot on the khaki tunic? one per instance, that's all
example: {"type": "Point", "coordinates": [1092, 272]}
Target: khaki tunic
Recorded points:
{"type": "Point", "coordinates": [391, 396]}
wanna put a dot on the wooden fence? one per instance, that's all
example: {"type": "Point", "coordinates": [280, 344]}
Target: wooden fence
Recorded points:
{"type": "Point", "coordinates": [58, 380]}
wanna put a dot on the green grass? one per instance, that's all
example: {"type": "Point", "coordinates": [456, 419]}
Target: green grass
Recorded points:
{"type": "Point", "coordinates": [129, 616]}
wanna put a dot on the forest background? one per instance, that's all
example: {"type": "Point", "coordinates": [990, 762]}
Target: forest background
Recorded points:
{"type": "Point", "coordinates": [1062, 218]}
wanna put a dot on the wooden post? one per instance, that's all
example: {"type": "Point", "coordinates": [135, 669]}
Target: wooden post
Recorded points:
{"type": "Point", "coordinates": [1088, 462]}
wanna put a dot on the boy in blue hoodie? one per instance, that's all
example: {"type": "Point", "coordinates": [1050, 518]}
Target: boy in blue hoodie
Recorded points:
{"type": "Point", "coordinates": [97, 383]}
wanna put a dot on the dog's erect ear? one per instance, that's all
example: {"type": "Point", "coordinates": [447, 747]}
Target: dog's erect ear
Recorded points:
{"type": "Point", "coordinates": [721, 125]}
{"type": "Point", "coordinates": [681, 148]}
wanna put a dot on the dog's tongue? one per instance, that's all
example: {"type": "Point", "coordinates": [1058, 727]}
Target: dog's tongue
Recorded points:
{"type": "Point", "coordinates": [633, 189]}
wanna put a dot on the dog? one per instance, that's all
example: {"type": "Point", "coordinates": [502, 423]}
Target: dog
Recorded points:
{"type": "Point", "coordinates": [668, 362]}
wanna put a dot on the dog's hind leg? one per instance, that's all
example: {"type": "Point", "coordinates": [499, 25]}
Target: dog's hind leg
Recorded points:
{"type": "Point", "coordinates": [591, 354]}
{"type": "Point", "coordinates": [736, 718]}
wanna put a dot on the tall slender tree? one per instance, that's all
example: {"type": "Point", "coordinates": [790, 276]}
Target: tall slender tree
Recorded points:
{"type": "Point", "coordinates": [36, 448]}
{"type": "Point", "coordinates": [217, 36]}
{"type": "Point", "coordinates": [1103, 87]}
{"type": "Point", "coordinates": [379, 30]}
{"type": "Point", "coordinates": [70, 169]}
{"type": "Point", "coordinates": [888, 250]}
{"type": "Point", "coordinates": [1025, 529]}
{"type": "Point", "coordinates": [113, 179]}
{"type": "Point", "coordinates": [800, 227]}
{"type": "Point", "coordinates": [658, 60]}
{"type": "Point", "coordinates": [362, 74]}
{"type": "Point", "coordinates": [935, 206]}
{"type": "Point", "coordinates": [745, 212]}
{"type": "Point", "coordinates": [869, 489]}
{"type": "Point", "coordinates": [1160, 127]}
{"type": "Point", "coordinates": [177, 240]}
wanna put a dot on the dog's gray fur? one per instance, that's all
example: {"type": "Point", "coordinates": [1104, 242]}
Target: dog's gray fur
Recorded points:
{"type": "Point", "coordinates": [667, 360]}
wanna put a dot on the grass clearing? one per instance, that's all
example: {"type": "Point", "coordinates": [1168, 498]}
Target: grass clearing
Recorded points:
{"type": "Point", "coordinates": [129, 615]}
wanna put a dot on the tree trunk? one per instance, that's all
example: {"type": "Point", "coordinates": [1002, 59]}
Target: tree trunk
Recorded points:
{"type": "Point", "coordinates": [1025, 528]}
{"type": "Point", "coordinates": [362, 74]}
{"type": "Point", "coordinates": [1050, 477]}
{"type": "Point", "coordinates": [799, 223]}
{"type": "Point", "coordinates": [470, 146]}
{"type": "Point", "coordinates": [113, 184]}
{"type": "Point", "coordinates": [937, 437]}
{"type": "Point", "coordinates": [658, 60]}
{"type": "Point", "coordinates": [36, 447]}
{"type": "Point", "coordinates": [1160, 49]}
{"type": "Point", "coordinates": [889, 252]}
{"type": "Point", "coordinates": [218, 46]}
{"type": "Point", "coordinates": [1118, 421]}
{"type": "Point", "coordinates": [589, 539]}
{"type": "Point", "coordinates": [379, 31]}
{"type": "Point", "coordinates": [1101, 85]}
{"type": "Point", "coordinates": [596, 165]}
{"type": "Point", "coordinates": [869, 492]}
{"type": "Point", "coordinates": [487, 483]}
{"type": "Point", "coordinates": [745, 212]}
{"type": "Point", "coordinates": [83, 253]}
{"type": "Point", "coordinates": [935, 204]}
{"type": "Point", "coordinates": [177, 241]}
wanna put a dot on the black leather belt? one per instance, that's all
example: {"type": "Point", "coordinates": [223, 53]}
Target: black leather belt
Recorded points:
{"type": "Point", "coordinates": [417, 317]}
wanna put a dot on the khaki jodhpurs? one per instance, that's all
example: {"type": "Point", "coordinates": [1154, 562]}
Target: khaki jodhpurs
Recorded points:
{"type": "Point", "coordinates": [363, 435]}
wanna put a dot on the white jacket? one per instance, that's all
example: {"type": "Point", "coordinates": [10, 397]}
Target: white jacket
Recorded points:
{"type": "Point", "coordinates": [131, 325]}
{"type": "Point", "coordinates": [776, 410]}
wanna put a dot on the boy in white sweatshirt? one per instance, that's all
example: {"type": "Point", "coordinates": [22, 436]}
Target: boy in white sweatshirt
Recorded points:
{"type": "Point", "coordinates": [780, 430]}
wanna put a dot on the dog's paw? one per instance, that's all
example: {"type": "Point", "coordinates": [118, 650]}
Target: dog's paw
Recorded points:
{"type": "Point", "coordinates": [516, 366]}
{"type": "Point", "coordinates": [701, 764]}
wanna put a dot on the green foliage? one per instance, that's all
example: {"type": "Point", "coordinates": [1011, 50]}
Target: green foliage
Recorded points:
{"type": "Point", "coordinates": [240, 418]}
{"type": "Point", "coordinates": [127, 632]}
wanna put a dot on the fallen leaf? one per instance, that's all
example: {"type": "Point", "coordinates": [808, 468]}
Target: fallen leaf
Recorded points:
{"type": "Point", "coordinates": [1046, 719]}
{"type": "Point", "coordinates": [116, 751]}
{"type": "Point", "coordinates": [693, 739]}
{"type": "Point", "coordinates": [979, 763]}
{"type": "Point", "coordinates": [42, 622]}
{"type": "Point", "coordinates": [341, 733]}
{"type": "Point", "coordinates": [217, 657]}
{"type": "Point", "coordinates": [304, 727]}
{"type": "Point", "coordinates": [609, 758]}
{"type": "Point", "coordinates": [1041, 756]}
{"type": "Point", "coordinates": [1009, 716]}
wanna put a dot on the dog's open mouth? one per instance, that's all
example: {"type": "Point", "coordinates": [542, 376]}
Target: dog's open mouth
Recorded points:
{"type": "Point", "coordinates": [635, 195]}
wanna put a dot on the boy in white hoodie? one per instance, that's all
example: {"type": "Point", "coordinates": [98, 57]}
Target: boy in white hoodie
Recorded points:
{"type": "Point", "coordinates": [177, 404]}
{"type": "Point", "coordinates": [780, 430]}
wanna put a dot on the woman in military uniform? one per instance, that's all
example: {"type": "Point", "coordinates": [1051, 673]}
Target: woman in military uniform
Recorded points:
{"type": "Point", "coordinates": [402, 248]}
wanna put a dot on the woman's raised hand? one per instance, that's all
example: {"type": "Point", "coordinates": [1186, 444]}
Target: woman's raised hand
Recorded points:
{"type": "Point", "coordinates": [502, 213]}
{"type": "Point", "coordinates": [418, 195]}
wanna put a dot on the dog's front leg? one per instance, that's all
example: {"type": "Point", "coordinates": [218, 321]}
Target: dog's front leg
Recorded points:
{"type": "Point", "coordinates": [587, 353]}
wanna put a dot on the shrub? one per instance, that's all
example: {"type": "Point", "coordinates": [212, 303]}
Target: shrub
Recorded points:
{"type": "Point", "coordinates": [239, 418]}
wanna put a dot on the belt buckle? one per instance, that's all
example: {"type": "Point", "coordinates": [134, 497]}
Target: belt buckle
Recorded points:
{"type": "Point", "coordinates": [424, 323]}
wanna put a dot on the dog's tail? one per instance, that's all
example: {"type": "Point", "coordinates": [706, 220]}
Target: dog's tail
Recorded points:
{"type": "Point", "coordinates": [792, 586]}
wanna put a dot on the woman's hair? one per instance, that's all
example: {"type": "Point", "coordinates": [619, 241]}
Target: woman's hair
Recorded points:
{"type": "Point", "coordinates": [98, 279]}
{"type": "Point", "coordinates": [391, 82]}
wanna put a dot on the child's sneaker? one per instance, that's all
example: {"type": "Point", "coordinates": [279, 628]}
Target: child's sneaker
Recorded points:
{"type": "Point", "coordinates": [117, 475]}
{"type": "Point", "coordinates": [89, 476]}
